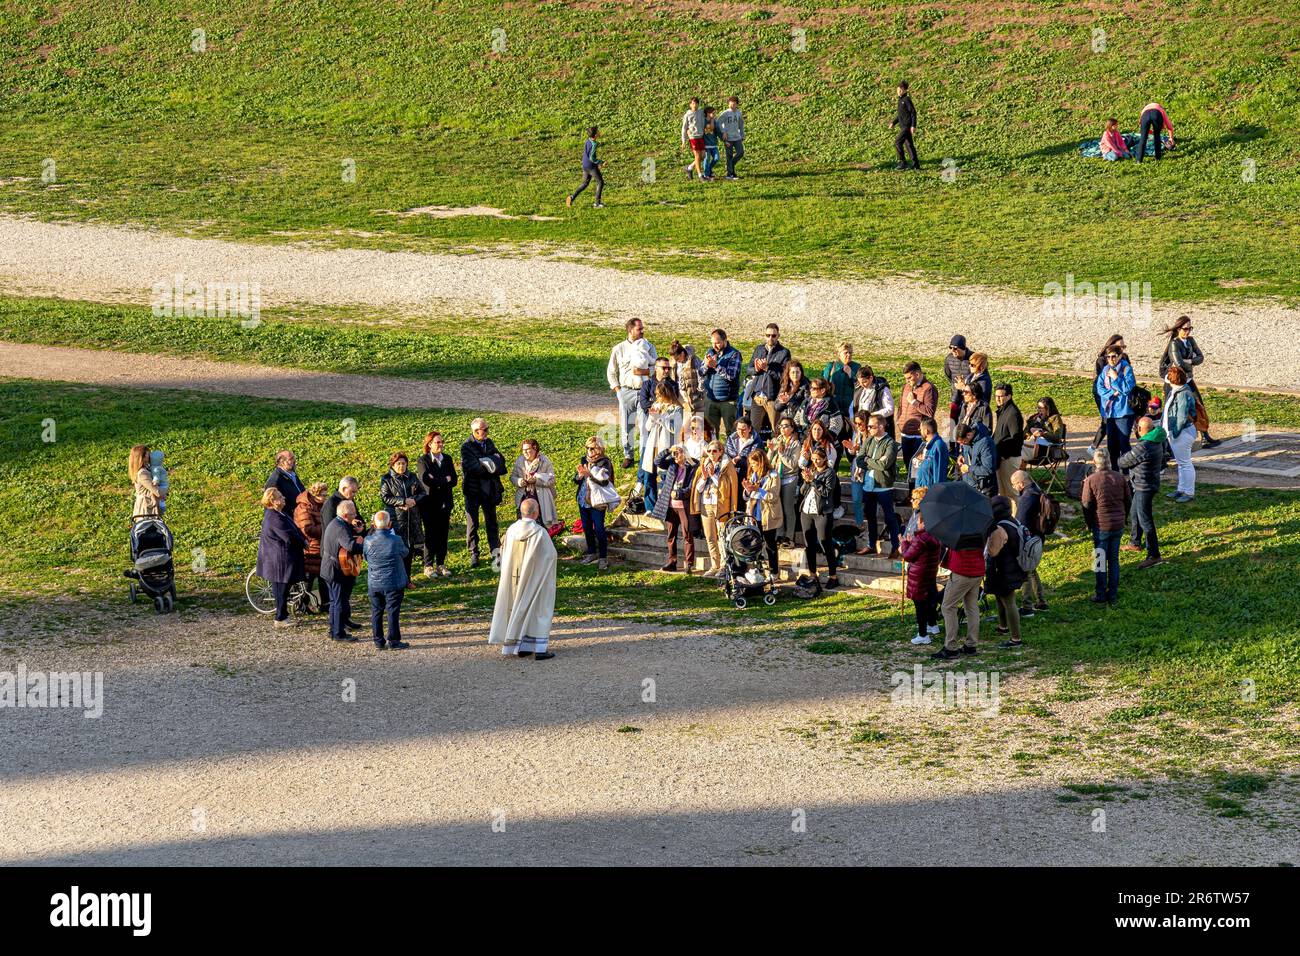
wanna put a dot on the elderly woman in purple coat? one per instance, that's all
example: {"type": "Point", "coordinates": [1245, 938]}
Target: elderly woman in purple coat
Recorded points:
{"type": "Point", "coordinates": [279, 553]}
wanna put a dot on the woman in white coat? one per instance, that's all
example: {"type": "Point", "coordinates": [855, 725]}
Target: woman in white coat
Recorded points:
{"type": "Point", "coordinates": [534, 477]}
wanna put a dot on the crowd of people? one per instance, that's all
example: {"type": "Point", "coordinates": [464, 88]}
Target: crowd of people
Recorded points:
{"type": "Point", "coordinates": [712, 435]}
{"type": "Point", "coordinates": [706, 437]}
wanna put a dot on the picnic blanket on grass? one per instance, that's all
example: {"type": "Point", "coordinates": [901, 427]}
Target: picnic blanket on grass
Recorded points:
{"type": "Point", "coordinates": [1091, 148]}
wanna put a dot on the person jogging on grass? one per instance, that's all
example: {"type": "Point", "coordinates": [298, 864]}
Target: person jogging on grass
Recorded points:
{"type": "Point", "coordinates": [693, 137]}
{"type": "Point", "coordinates": [590, 169]}
{"type": "Point", "coordinates": [905, 120]}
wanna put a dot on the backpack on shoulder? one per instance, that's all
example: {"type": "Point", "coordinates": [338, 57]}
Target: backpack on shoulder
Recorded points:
{"type": "Point", "coordinates": [1030, 552]}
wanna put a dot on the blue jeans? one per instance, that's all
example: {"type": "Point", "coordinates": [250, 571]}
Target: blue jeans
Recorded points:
{"type": "Point", "coordinates": [340, 604]}
{"type": "Point", "coordinates": [909, 445]}
{"type": "Point", "coordinates": [855, 487]}
{"type": "Point", "coordinates": [1144, 522]}
{"type": "Point", "coordinates": [1118, 437]}
{"type": "Point", "coordinates": [885, 501]}
{"type": "Point", "coordinates": [389, 602]}
{"type": "Point", "coordinates": [1105, 562]}
{"type": "Point", "coordinates": [710, 159]}
{"type": "Point", "coordinates": [628, 416]}
{"type": "Point", "coordinates": [735, 153]}
{"type": "Point", "coordinates": [648, 482]}
{"type": "Point", "coordinates": [593, 529]}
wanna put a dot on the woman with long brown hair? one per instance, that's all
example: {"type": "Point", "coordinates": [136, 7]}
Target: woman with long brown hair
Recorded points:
{"type": "Point", "coordinates": [148, 496]}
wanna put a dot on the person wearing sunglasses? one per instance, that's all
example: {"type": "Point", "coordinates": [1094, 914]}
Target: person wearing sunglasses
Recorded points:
{"type": "Point", "coordinates": [1181, 351]}
{"type": "Point", "coordinates": [714, 499]}
{"type": "Point", "coordinates": [1114, 385]}
{"type": "Point", "coordinates": [766, 367]}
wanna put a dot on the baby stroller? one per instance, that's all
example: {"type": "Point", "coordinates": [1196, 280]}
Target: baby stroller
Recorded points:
{"type": "Point", "coordinates": [743, 555]}
{"type": "Point", "coordinates": [151, 554]}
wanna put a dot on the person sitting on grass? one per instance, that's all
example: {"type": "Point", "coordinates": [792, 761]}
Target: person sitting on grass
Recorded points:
{"type": "Point", "coordinates": [1113, 146]}
{"type": "Point", "coordinates": [921, 551]}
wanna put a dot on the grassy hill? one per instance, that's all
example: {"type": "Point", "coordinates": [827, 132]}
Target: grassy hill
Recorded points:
{"type": "Point", "coordinates": [248, 136]}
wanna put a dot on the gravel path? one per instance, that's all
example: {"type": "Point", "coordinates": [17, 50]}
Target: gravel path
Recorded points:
{"type": "Point", "coordinates": [220, 744]}
{"type": "Point", "coordinates": [138, 370]}
{"type": "Point", "coordinates": [1250, 343]}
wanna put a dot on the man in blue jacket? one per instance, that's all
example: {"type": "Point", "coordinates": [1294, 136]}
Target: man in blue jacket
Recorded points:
{"type": "Point", "coordinates": [721, 384]}
{"type": "Point", "coordinates": [933, 465]}
{"type": "Point", "coordinates": [387, 580]}
{"type": "Point", "coordinates": [978, 459]}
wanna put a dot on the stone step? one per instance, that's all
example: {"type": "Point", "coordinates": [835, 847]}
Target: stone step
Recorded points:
{"type": "Point", "coordinates": [887, 584]}
{"type": "Point", "coordinates": [787, 556]}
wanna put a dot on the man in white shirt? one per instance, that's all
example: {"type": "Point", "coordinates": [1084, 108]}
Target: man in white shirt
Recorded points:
{"type": "Point", "coordinates": [629, 364]}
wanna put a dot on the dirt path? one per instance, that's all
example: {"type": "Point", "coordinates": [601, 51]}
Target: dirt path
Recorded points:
{"type": "Point", "coordinates": [136, 370]}
{"type": "Point", "coordinates": [1250, 343]}
{"type": "Point", "coordinates": [222, 744]}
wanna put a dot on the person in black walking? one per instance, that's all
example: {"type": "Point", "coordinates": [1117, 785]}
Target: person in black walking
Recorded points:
{"type": "Point", "coordinates": [905, 120]}
{"type": "Point", "coordinates": [590, 169]}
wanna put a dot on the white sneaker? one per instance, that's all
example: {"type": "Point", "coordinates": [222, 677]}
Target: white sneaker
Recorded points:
{"type": "Point", "coordinates": [932, 630]}
{"type": "Point", "coordinates": [430, 572]}
{"type": "Point", "coordinates": [921, 639]}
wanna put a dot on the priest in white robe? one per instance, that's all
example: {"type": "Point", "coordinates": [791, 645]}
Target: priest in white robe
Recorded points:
{"type": "Point", "coordinates": [521, 622]}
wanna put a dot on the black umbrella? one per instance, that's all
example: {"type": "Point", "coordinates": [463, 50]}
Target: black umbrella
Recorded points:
{"type": "Point", "coordinates": [956, 514]}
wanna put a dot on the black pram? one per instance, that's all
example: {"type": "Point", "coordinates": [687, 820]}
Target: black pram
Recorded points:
{"type": "Point", "coordinates": [152, 569]}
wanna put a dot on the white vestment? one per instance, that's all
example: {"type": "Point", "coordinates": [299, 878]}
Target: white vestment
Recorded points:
{"type": "Point", "coordinates": [521, 621]}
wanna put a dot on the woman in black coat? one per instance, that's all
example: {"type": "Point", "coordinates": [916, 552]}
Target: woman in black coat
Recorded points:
{"type": "Point", "coordinates": [401, 492]}
{"type": "Point", "coordinates": [437, 474]}
{"type": "Point", "coordinates": [279, 553]}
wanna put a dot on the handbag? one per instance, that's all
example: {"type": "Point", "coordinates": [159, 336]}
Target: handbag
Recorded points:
{"type": "Point", "coordinates": [602, 496]}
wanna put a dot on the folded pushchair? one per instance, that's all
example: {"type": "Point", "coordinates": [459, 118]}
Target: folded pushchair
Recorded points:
{"type": "Point", "coordinates": [152, 571]}
{"type": "Point", "coordinates": [743, 555]}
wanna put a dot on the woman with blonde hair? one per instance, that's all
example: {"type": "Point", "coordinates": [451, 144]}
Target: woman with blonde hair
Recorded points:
{"type": "Point", "coordinates": [696, 435]}
{"type": "Point", "coordinates": [596, 494]}
{"type": "Point", "coordinates": [306, 516]}
{"type": "Point", "coordinates": [714, 498]}
{"type": "Point", "coordinates": [279, 552]}
{"type": "Point", "coordinates": [762, 491]}
{"type": "Point", "coordinates": [148, 495]}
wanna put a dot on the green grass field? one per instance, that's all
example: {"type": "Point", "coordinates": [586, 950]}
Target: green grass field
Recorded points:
{"type": "Point", "coordinates": [569, 355]}
{"type": "Point", "coordinates": [1184, 638]}
{"type": "Point", "coordinates": [249, 137]}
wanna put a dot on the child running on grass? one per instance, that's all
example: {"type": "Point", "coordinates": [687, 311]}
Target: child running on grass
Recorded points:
{"type": "Point", "coordinates": [590, 169]}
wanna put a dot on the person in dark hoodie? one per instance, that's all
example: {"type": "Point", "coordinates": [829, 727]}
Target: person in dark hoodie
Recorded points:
{"type": "Point", "coordinates": [590, 170]}
{"type": "Point", "coordinates": [1009, 439]}
{"type": "Point", "coordinates": [905, 120]}
{"type": "Point", "coordinates": [1144, 462]}
{"type": "Point", "coordinates": [978, 459]}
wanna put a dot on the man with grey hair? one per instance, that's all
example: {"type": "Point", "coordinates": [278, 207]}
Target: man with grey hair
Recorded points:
{"type": "Point", "coordinates": [521, 619]}
{"type": "Point", "coordinates": [387, 579]}
{"type": "Point", "coordinates": [1106, 498]}
{"type": "Point", "coordinates": [347, 492]}
{"type": "Point", "coordinates": [482, 467]}
{"type": "Point", "coordinates": [340, 535]}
